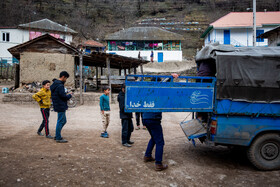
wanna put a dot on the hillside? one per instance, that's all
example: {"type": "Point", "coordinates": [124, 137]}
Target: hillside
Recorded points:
{"type": "Point", "coordinates": [93, 19]}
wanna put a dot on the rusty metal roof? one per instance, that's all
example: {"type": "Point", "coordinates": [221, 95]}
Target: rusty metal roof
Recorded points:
{"type": "Point", "coordinates": [92, 43]}
{"type": "Point", "coordinates": [144, 33]}
{"type": "Point", "coordinates": [98, 59]}
{"type": "Point", "coordinates": [47, 25]}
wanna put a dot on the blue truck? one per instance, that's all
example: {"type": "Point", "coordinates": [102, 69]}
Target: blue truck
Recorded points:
{"type": "Point", "coordinates": [241, 103]}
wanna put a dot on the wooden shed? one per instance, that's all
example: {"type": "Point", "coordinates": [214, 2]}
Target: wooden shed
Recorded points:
{"type": "Point", "coordinates": [43, 58]}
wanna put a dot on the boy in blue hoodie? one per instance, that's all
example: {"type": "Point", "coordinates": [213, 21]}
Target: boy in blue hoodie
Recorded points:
{"type": "Point", "coordinates": [105, 111]}
{"type": "Point", "coordinates": [59, 99]}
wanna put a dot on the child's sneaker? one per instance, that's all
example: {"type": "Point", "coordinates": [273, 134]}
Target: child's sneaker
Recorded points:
{"type": "Point", "coordinates": [106, 135]}
{"type": "Point", "coordinates": [40, 134]}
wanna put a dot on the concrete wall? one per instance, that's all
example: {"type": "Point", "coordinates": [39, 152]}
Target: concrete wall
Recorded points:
{"type": "Point", "coordinates": [16, 38]}
{"type": "Point", "coordinates": [36, 67]}
{"type": "Point", "coordinates": [19, 36]}
{"type": "Point", "coordinates": [26, 98]}
{"type": "Point", "coordinates": [238, 36]}
{"type": "Point", "coordinates": [167, 55]}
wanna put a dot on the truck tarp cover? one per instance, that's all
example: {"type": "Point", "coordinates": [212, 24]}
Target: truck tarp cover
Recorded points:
{"type": "Point", "coordinates": [249, 74]}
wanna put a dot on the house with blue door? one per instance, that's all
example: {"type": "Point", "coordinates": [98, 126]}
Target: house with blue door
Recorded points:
{"type": "Point", "coordinates": [165, 45]}
{"type": "Point", "coordinates": [236, 28]}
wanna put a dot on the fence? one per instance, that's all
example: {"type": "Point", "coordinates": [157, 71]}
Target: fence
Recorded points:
{"type": "Point", "coordinates": [7, 71]}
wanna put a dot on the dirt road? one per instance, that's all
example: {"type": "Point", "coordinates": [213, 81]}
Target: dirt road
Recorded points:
{"type": "Point", "coordinates": [89, 160]}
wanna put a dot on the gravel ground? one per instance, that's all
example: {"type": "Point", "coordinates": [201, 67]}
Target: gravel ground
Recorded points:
{"type": "Point", "coordinates": [89, 160]}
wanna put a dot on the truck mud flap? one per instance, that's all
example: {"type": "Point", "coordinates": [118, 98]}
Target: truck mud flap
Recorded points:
{"type": "Point", "coordinates": [193, 129]}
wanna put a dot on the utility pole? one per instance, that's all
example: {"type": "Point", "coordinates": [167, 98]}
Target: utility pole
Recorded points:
{"type": "Point", "coordinates": [81, 77]}
{"type": "Point", "coordinates": [254, 23]}
{"type": "Point", "coordinates": [109, 78]}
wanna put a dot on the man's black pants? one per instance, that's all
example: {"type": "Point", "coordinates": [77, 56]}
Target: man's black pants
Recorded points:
{"type": "Point", "coordinates": [138, 115]}
{"type": "Point", "coordinates": [127, 129]}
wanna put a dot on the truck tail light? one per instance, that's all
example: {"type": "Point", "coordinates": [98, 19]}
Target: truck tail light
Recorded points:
{"type": "Point", "coordinates": [213, 127]}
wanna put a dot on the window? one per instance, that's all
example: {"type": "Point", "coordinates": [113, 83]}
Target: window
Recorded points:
{"type": "Point", "coordinates": [167, 45]}
{"type": "Point", "coordinates": [176, 46]}
{"type": "Point", "coordinates": [5, 37]}
{"type": "Point", "coordinates": [259, 32]}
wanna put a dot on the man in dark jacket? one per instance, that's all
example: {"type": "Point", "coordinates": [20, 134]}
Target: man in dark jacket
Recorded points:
{"type": "Point", "coordinates": [152, 120]}
{"type": "Point", "coordinates": [127, 125]}
{"type": "Point", "coordinates": [59, 99]}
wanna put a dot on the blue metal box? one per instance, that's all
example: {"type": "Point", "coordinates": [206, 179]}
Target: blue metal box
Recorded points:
{"type": "Point", "coordinates": [188, 95]}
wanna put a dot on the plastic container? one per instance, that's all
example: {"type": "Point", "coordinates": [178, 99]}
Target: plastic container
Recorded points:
{"type": "Point", "coordinates": [5, 90]}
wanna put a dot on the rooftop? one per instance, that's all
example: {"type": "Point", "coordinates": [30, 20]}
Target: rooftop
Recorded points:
{"type": "Point", "coordinates": [92, 43]}
{"type": "Point", "coordinates": [144, 33]}
{"type": "Point", "coordinates": [245, 19]}
{"type": "Point", "coordinates": [97, 59]}
{"type": "Point", "coordinates": [16, 50]}
{"type": "Point", "coordinates": [48, 25]}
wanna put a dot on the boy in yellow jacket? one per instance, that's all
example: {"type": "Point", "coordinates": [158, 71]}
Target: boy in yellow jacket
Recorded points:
{"type": "Point", "coordinates": [43, 97]}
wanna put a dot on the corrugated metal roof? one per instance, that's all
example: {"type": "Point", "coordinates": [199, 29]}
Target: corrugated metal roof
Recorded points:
{"type": "Point", "coordinates": [46, 24]}
{"type": "Point", "coordinates": [144, 33]}
{"type": "Point", "coordinates": [98, 59]}
{"type": "Point", "coordinates": [245, 19]}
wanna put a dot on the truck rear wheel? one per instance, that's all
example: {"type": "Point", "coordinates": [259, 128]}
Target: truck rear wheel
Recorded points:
{"type": "Point", "coordinates": [264, 153]}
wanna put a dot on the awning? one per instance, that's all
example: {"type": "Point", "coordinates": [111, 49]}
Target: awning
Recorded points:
{"type": "Point", "coordinates": [98, 59]}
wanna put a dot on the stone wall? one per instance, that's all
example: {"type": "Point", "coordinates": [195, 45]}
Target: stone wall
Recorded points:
{"type": "Point", "coordinates": [26, 98]}
{"type": "Point", "coordinates": [36, 67]}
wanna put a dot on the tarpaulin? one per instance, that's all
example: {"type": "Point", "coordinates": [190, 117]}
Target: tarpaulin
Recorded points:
{"type": "Point", "coordinates": [249, 74]}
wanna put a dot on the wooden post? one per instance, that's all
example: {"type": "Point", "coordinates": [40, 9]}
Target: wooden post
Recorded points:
{"type": "Point", "coordinates": [124, 72]}
{"type": "Point", "coordinates": [141, 69]}
{"type": "Point", "coordinates": [13, 72]}
{"type": "Point", "coordinates": [109, 78]}
{"type": "Point", "coordinates": [96, 75]}
{"type": "Point", "coordinates": [81, 78]}
{"type": "Point", "coordinates": [134, 70]}
{"type": "Point", "coordinates": [101, 71]}
{"type": "Point", "coordinates": [129, 71]}
{"type": "Point", "coordinates": [7, 73]}
{"type": "Point", "coordinates": [1, 64]}
{"type": "Point", "coordinates": [17, 76]}
{"type": "Point", "coordinates": [120, 72]}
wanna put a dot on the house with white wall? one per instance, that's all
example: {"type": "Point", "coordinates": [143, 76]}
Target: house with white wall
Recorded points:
{"type": "Point", "coordinates": [12, 36]}
{"type": "Point", "coordinates": [236, 28]}
{"type": "Point", "coordinates": [166, 45]}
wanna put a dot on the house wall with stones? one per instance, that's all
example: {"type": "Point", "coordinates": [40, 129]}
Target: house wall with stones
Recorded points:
{"type": "Point", "coordinates": [37, 66]}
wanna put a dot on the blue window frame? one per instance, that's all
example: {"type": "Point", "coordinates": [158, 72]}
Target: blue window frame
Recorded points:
{"type": "Point", "coordinates": [259, 32]}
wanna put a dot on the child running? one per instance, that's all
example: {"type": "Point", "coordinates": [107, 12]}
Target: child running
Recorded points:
{"type": "Point", "coordinates": [43, 97]}
{"type": "Point", "coordinates": [105, 111]}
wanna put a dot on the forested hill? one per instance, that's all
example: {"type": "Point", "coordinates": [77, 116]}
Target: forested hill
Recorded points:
{"type": "Point", "coordinates": [93, 19]}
